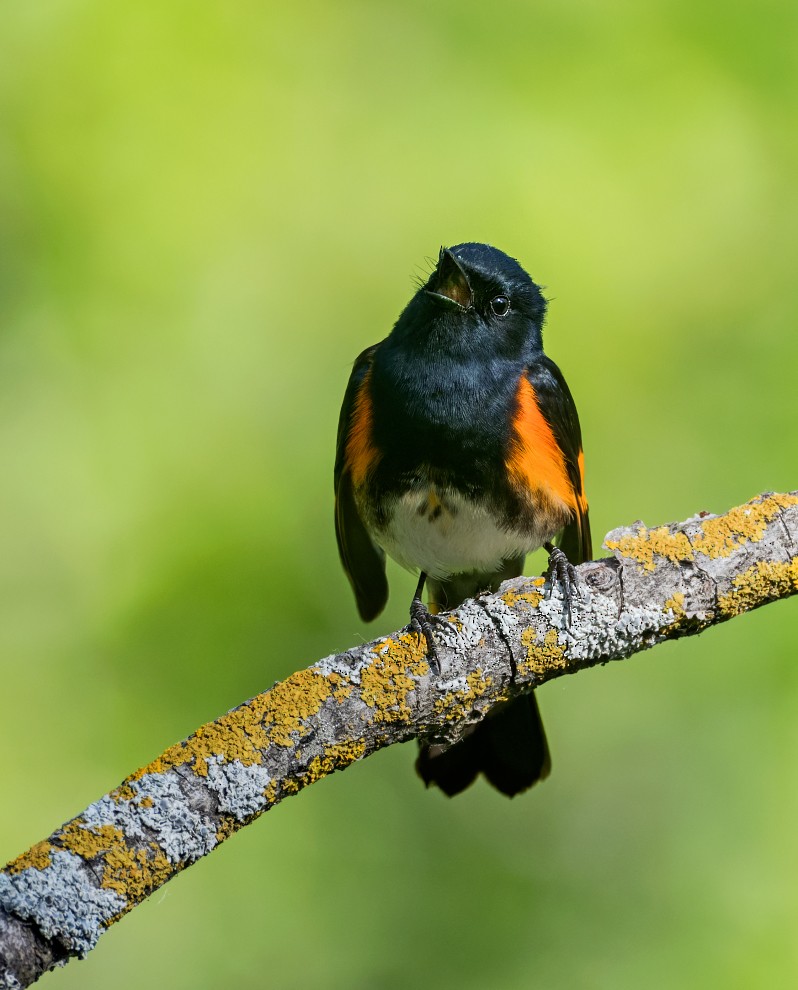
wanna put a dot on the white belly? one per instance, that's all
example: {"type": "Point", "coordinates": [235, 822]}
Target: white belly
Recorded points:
{"type": "Point", "coordinates": [441, 533]}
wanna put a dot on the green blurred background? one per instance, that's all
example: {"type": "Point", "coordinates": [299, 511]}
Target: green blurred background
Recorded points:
{"type": "Point", "coordinates": [206, 211]}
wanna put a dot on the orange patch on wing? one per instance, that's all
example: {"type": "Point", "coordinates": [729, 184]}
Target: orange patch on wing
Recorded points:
{"type": "Point", "coordinates": [581, 493]}
{"type": "Point", "coordinates": [361, 454]}
{"type": "Point", "coordinates": [536, 462]}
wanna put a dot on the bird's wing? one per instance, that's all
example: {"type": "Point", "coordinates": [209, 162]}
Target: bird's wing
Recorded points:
{"type": "Point", "coordinates": [363, 560]}
{"type": "Point", "coordinates": [554, 401]}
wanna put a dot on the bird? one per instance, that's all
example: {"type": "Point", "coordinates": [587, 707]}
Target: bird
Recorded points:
{"type": "Point", "coordinates": [459, 451]}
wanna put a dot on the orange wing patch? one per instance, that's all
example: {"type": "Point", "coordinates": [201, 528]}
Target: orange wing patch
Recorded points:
{"type": "Point", "coordinates": [536, 462]}
{"type": "Point", "coordinates": [361, 454]}
{"type": "Point", "coordinates": [581, 493]}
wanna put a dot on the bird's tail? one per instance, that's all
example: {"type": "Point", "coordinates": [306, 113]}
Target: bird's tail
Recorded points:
{"type": "Point", "coordinates": [509, 745]}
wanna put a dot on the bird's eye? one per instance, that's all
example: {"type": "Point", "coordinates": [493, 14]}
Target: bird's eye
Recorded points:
{"type": "Point", "coordinates": [500, 305]}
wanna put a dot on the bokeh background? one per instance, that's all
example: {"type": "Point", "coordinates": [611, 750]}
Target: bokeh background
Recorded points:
{"type": "Point", "coordinates": [206, 211]}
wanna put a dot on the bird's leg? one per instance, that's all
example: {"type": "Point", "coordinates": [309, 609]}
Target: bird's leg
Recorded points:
{"type": "Point", "coordinates": [421, 623]}
{"type": "Point", "coordinates": [562, 570]}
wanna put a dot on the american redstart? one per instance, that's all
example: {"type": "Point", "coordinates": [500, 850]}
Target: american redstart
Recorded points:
{"type": "Point", "coordinates": [459, 452]}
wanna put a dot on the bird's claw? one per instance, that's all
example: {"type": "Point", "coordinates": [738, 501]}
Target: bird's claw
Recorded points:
{"type": "Point", "coordinates": [421, 620]}
{"type": "Point", "coordinates": [562, 570]}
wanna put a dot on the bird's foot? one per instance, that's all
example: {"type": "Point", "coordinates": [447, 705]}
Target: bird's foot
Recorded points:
{"type": "Point", "coordinates": [421, 620]}
{"type": "Point", "coordinates": [562, 570]}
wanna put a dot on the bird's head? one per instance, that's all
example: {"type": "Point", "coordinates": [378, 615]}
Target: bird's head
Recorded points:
{"type": "Point", "coordinates": [477, 297]}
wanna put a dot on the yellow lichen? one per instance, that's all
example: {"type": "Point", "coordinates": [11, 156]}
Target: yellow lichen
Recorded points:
{"type": "Point", "coordinates": [335, 757]}
{"type": "Point", "coordinates": [648, 542]}
{"type": "Point", "coordinates": [342, 689]}
{"type": "Point", "coordinates": [718, 537]}
{"type": "Point", "coordinates": [746, 523]}
{"type": "Point", "coordinates": [88, 842]}
{"type": "Point", "coordinates": [763, 582]}
{"type": "Point", "coordinates": [290, 703]}
{"type": "Point", "coordinates": [458, 704]}
{"type": "Point", "coordinates": [228, 825]}
{"type": "Point", "coordinates": [542, 658]}
{"type": "Point", "coordinates": [130, 872]}
{"type": "Point", "coordinates": [36, 858]}
{"type": "Point", "coordinates": [270, 793]}
{"type": "Point", "coordinates": [676, 604]}
{"type": "Point", "coordinates": [386, 683]}
{"type": "Point", "coordinates": [135, 873]}
{"type": "Point", "coordinates": [533, 598]}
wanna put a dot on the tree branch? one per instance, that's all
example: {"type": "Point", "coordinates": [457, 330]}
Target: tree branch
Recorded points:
{"type": "Point", "coordinates": [57, 898]}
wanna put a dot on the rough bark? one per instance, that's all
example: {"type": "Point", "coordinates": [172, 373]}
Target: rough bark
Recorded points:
{"type": "Point", "coordinates": [57, 898]}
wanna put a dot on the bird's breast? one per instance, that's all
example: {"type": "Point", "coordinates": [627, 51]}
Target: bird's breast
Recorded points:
{"type": "Point", "coordinates": [451, 417]}
{"type": "Point", "coordinates": [443, 531]}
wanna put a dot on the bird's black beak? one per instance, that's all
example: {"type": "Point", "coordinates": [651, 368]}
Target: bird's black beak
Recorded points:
{"type": "Point", "coordinates": [450, 282]}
